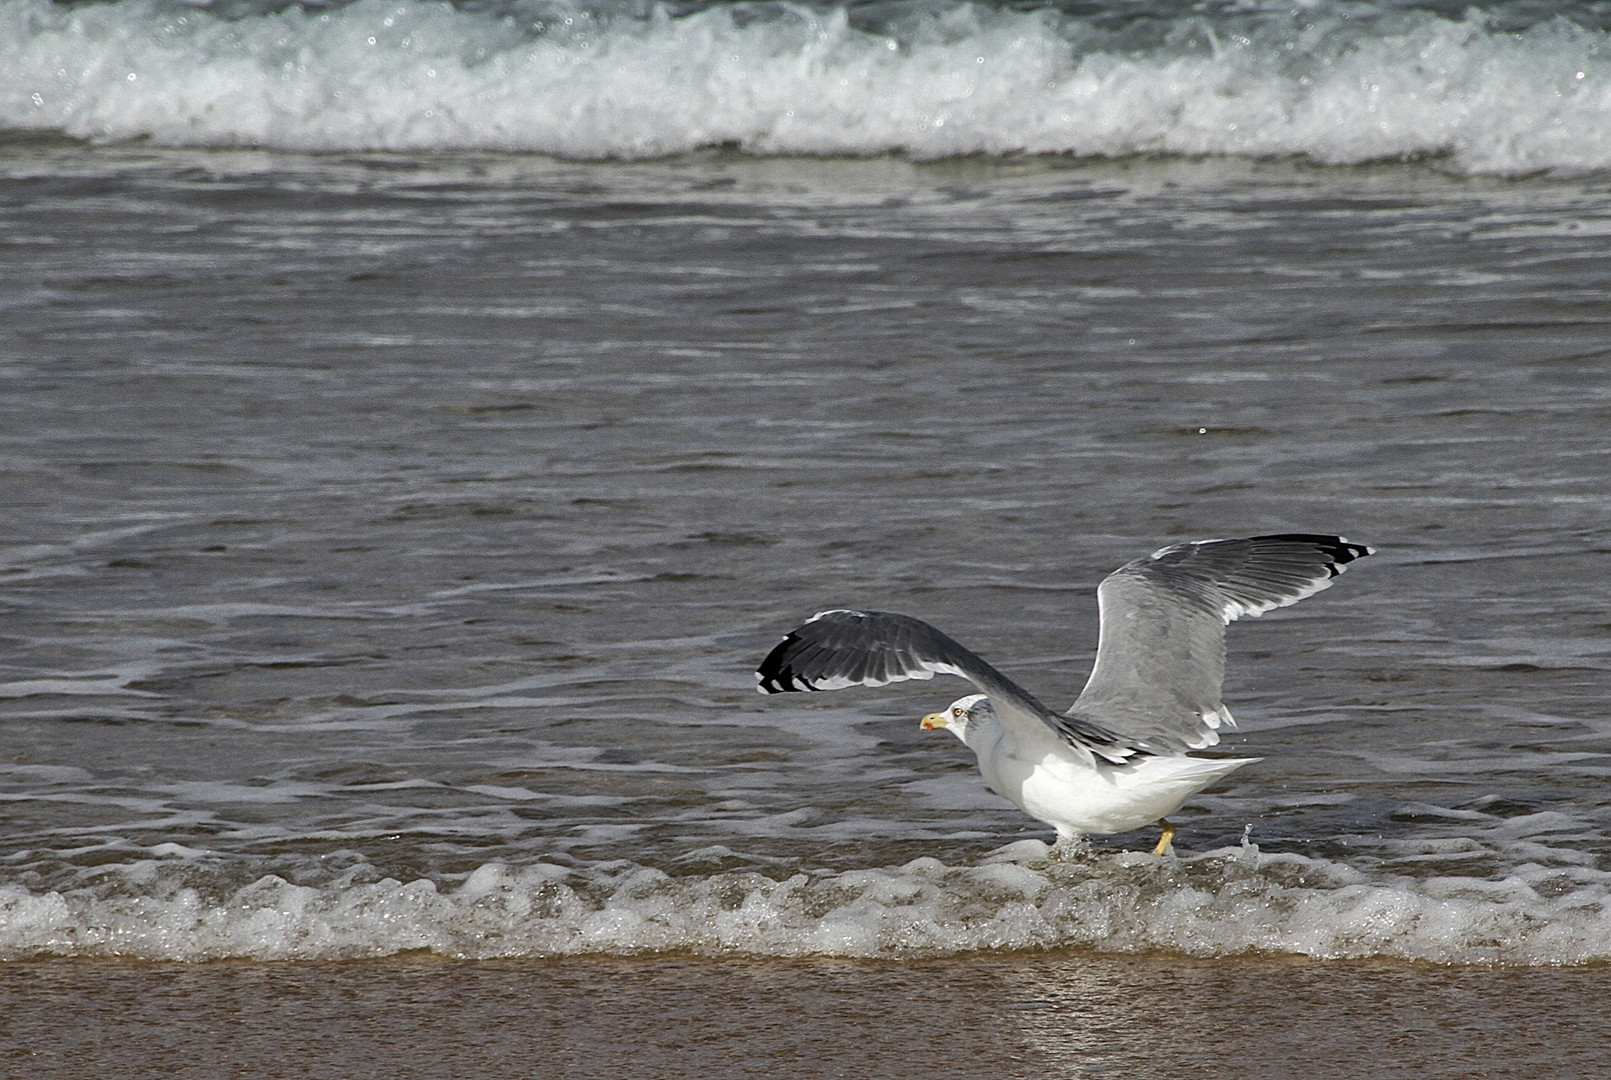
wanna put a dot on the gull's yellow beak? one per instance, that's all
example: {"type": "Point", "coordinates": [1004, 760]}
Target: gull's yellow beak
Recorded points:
{"type": "Point", "coordinates": [933, 720]}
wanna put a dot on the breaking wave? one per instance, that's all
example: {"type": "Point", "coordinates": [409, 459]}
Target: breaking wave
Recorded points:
{"type": "Point", "coordinates": [1336, 84]}
{"type": "Point", "coordinates": [1227, 902]}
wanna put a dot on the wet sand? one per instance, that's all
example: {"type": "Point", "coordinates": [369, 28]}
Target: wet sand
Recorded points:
{"type": "Point", "coordinates": [1054, 1015]}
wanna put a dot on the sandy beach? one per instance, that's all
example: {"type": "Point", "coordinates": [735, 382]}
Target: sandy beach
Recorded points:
{"type": "Point", "coordinates": [1054, 1015]}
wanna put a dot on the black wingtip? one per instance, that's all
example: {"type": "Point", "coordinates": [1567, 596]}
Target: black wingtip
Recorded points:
{"type": "Point", "coordinates": [1339, 550]}
{"type": "Point", "coordinates": [774, 676]}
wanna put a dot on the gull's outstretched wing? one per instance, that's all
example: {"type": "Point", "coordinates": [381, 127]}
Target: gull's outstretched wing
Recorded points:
{"type": "Point", "coordinates": [1161, 657]}
{"type": "Point", "coordinates": [836, 649]}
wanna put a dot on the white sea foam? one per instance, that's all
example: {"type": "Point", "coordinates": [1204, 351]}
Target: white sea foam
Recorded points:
{"type": "Point", "coordinates": [1222, 903]}
{"type": "Point", "coordinates": [779, 79]}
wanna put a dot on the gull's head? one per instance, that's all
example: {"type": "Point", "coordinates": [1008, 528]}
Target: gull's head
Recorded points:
{"type": "Point", "coordinates": [956, 716]}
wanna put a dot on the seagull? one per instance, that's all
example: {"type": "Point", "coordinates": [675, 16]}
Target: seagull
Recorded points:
{"type": "Point", "coordinates": [1118, 759]}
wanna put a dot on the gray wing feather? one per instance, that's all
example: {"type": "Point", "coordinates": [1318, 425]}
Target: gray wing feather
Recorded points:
{"type": "Point", "coordinates": [1161, 657]}
{"type": "Point", "coordinates": [836, 649]}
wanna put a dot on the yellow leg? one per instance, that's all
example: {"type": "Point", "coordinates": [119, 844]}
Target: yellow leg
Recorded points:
{"type": "Point", "coordinates": [1167, 838]}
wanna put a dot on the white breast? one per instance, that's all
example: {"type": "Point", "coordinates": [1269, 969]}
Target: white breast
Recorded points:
{"type": "Point", "coordinates": [1050, 784]}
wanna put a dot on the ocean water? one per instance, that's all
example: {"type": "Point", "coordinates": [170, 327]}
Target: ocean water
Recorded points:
{"type": "Point", "coordinates": [392, 530]}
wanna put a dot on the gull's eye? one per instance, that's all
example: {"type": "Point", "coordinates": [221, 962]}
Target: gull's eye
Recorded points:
{"type": "Point", "coordinates": [956, 712]}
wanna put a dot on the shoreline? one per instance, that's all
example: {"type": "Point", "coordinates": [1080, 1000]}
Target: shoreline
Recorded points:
{"type": "Point", "coordinates": [1030, 1015]}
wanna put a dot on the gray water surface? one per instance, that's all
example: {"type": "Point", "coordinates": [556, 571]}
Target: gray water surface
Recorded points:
{"type": "Point", "coordinates": [373, 516]}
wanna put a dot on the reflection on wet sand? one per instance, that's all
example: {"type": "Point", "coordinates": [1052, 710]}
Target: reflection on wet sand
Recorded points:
{"type": "Point", "coordinates": [1048, 1015]}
